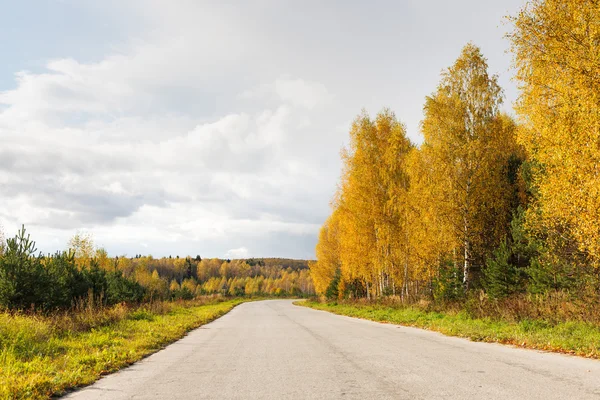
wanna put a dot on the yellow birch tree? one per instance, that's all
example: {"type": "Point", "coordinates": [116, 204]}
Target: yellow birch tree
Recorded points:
{"type": "Point", "coordinates": [464, 135]}
{"type": "Point", "coordinates": [556, 46]}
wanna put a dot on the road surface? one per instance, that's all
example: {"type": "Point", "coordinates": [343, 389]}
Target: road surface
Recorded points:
{"type": "Point", "coordinates": [275, 350]}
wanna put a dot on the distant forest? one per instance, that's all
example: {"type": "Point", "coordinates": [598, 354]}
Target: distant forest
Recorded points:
{"type": "Point", "coordinates": [84, 273]}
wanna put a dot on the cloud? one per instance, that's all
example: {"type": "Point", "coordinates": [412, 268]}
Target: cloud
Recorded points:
{"type": "Point", "coordinates": [302, 93]}
{"type": "Point", "coordinates": [89, 146]}
{"type": "Point", "coordinates": [207, 124]}
{"type": "Point", "coordinates": [238, 253]}
{"type": "Point", "coordinates": [294, 91]}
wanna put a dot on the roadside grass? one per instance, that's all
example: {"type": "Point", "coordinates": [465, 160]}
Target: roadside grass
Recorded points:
{"type": "Point", "coordinates": [573, 337]}
{"type": "Point", "coordinates": [42, 356]}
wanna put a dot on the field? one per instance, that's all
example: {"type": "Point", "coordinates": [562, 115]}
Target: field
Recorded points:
{"type": "Point", "coordinates": [41, 356]}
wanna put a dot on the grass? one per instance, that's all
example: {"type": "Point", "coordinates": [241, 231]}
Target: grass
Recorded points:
{"type": "Point", "coordinates": [573, 337]}
{"type": "Point", "coordinates": [42, 356]}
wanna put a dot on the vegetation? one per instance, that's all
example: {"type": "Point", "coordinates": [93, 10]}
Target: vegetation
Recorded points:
{"type": "Point", "coordinates": [556, 50]}
{"type": "Point", "coordinates": [574, 337]}
{"type": "Point", "coordinates": [487, 210]}
{"type": "Point", "coordinates": [67, 318]}
{"type": "Point", "coordinates": [489, 229]}
{"type": "Point", "coordinates": [86, 274]}
{"type": "Point", "coordinates": [46, 283]}
{"type": "Point", "coordinates": [43, 355]}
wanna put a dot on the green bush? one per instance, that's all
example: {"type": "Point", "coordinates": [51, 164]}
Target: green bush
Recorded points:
{"type": "Point", "coordinates": [122, 289]}
{"type": "Point", "coordinates": [23, 280]}
{"type": "Point", "coordinates": [54, 282]}
{"type": "Point", "coordinates": [448, 286]}
{"type": "Point", "coordinates": [332, 290]}
{"type": "Point", "coordinates": [501, 278]}
{"type": "Point", "coordinates": [182, 294]}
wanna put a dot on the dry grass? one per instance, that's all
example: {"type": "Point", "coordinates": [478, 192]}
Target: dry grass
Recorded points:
{"type": "Point", "coordinates": [41, 356]}
{"type": "Point", "coordinates": [553, 322]}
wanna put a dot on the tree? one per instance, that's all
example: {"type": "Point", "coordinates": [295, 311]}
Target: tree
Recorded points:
{"type": "Point", "coordinates": [2, 241]}
{"type": "Point", "coordinates": [82, 244]}
{"type": "Point", "coordinates": [174, 286]}
{"type": "Point", "coordinates": [501, 277]}
{"type": "Point", "coordinates": [23, 280]}
{"type": "Point", "coordinates": [104, 261]}
{"type": "Point", "coordinates": [370, 202]}
{"type": "Point", "coordinates": [556, 50]}
{"type": "Point", "coordinates": [431, 237]}
{"type": "Point", "coordinates": [121, 289]}
{"type": "Point", "coordinates": [333, 289]}
{"type": "Point", "coordinates": [324, 269]}
{"type": "Point", "coordinates": [465, 144]}
{"type": "Point", "coordinates": [394, 229]}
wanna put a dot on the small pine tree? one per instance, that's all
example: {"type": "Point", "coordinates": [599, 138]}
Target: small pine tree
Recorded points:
{"type": "Point", "coordinates": [447, 285]}
{"type": "Point", "coordinates": [332, 291]}
{"type": "Point", "coordinates": [500, 277]}
{"type": "Point", "coordinates": [545, 275]}
{"type": "Point", "coordinates": [23, 280]}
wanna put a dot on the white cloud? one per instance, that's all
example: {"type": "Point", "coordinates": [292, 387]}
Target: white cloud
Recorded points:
{"type": "Point", "coordinates": [133, 177]}
{"type": "Point", "coordinates": [302, 93]}
{"type": "Point", "coordinates": [153, 143]}
{"type": "Point", "coordinates": [294, 91]}
{"type": "Point", "coordinates": [241, 252]}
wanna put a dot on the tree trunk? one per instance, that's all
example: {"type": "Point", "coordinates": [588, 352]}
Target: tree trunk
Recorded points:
{"type": "Point", "coordinates": [466, 265]}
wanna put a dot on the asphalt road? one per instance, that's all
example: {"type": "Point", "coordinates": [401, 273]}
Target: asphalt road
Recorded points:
{"type": "Point", "coordinates": [275, 350]}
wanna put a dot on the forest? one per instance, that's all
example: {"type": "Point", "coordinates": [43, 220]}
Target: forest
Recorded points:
{"type": "Point", "coordinates": [86, 274]}
{"type": "Point", "coordinates": [490, 208]}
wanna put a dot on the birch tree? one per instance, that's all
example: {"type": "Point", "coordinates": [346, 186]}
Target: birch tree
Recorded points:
{"type": "Point", "coordinates": [460, 128]}
{"type": "Point", "coordinates": [556, 46]}
{"type": "Point", "coordinates": [325, 268]}
{"type": "Point", "coordinates": [372, 225]}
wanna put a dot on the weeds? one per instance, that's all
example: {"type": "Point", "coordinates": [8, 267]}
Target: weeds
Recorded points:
{"type": "Point", "coordinates": [552, 323]}
{"type": "Point", "coordinates": [41, 356]}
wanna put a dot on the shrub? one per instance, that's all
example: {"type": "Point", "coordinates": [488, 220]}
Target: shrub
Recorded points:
{"type": "Point", "coordinates": [23, 280]}
{"type": "Point", "coordinates": [500, 277]}
{"type": "Point", "coordinates": [54, 282]}
{"type": "Point", "coordinates": [332, 291]}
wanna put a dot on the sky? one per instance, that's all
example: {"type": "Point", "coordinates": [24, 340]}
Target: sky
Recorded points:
{"type": "Point", "coordinates": [210, 128]}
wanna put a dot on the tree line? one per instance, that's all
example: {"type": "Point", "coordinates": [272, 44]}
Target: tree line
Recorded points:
{"type": "Point", "coordinates": [84, 274]}
{"type": "Point", "coordinates": [487, 202]}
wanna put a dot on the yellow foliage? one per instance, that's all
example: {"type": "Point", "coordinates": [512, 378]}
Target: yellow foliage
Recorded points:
{"type": "Point", "coordinates": [364, 236]}
{"type": "Point", "coordinates": [323, 270]}
{"type": "Point", "coordinates": [82, 244]}
{"type": "Point", "coordinates": [467, 146]}
{"type": "Point", "coordinates": [174, 286]}
{"type": "Point", "coordinates": [557, 57]}
{"type": "Point", "coordinates": [401, 211]}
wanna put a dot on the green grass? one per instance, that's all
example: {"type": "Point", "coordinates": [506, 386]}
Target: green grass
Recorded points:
{"type": "Point", "coordinates": [573, 337]}
{"type": "Point", "coordinates": [44, 356]}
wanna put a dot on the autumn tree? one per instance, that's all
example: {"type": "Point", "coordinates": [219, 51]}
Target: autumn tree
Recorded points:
{"type": "Point", "coordinates": [466, 145]}
{"type": "Point", "coordinates": [328, 258]}
{"type": "Point", "coordinates": [365, 237]}
{"type": "Point", "coordinates": [104, 261]}
{"type": "Point", "coordinates": [430, 237]}
{"type": "Point", "coordinates": [358, 200]}
{"type": "Point", "coordinates": [82, 245]}
{"type": "Point", "coordinates": [556, 46]}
